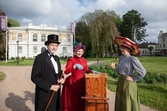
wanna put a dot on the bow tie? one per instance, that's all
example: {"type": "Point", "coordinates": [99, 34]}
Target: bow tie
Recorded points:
{"type": "Point", "coordinates": [51, 55]}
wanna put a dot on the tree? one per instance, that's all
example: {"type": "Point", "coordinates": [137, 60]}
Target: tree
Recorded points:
{"type": "Point", "coordinates": [100, 29]}
{"type": "Point", "coordinates": [133, 26]}
{"type": "Point", "coordinates": [82, 32]}
{"type": "Point", "coordinates": [2, 39]}
{"type": "Point", "coordinates": [103, 32]}
{"type": "Point", "coordinates": [13, 23]}
{"type": "Point", "coordinates": [150, 49]}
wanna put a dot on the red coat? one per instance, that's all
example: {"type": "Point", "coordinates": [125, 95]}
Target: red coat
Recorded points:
{"type": "Point", "coordinates": [74, 86]}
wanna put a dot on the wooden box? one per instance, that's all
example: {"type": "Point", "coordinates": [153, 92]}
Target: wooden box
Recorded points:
{"type": "Point", "coordinates": [96, 92]}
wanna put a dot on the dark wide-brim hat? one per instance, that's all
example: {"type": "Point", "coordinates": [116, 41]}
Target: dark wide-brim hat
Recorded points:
{"type": "Point", "coordinates": [123, 41]}
{"type": "Point", "coordinates": [52, 38]}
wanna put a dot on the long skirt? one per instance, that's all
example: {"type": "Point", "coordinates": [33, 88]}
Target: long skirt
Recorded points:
{"type": "Point", "coordinates": [127, 98]}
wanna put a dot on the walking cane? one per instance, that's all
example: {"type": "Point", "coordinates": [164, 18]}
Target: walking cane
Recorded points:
{"type": "Point", "coordinates": [53, 93]}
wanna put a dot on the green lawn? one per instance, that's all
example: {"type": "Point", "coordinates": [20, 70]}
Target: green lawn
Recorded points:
{"type": "Point", "coordinates": [153, 95]}
{"type": "Point", "coordinates": [156, 64]}
{"type": "Point", "coordinates": [25, 62]}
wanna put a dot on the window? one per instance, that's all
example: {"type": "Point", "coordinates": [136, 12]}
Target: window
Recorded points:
{"type": "Point", "coordinates": [142, 51]}
{"type": "Point", "coordinates": [145, 52]}
{"type": "Point", "coordinates": [34, 37]}
{"type": "Point", "coordinates": [164, 39]}
{"type": "Point", "coordinates": [163, 45]}
{"type": "Point", "coordinates": [65, 49]}
{"type": "Point", "coordinates": [43, 49]}
{"type": "Point", "coordinates": [19, 37]}
{"type": "Point", "coordinates": [20, 49]}
{"type": "Point", "coordinates": [64, 40]}
{"type": "Point", "coordinates": [43, 38]}
{"type": "Point", "coordinates": [34, 49]}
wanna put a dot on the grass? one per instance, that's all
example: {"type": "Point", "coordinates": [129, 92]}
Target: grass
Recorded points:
{"type": "Point", "coordinates": [154, 64]}
{"type": "Point", "coordinates": [25, 62]}
{"type": "Point", "coordinates": [2, 76]}
{"type": "Point", "coordinates": [153, 95]}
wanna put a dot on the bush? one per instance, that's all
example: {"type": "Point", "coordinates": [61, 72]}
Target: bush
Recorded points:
{"type": "Point", "coordinates": [23, 57]}
{"type": "Point", "coordinates": [105, 69]}
{"type": "Point", "coordinates": [12, 58]}
{"type": "Point", "coordinates": [164, 77]}
{"type": "Point", "coordinates": [152, 78]}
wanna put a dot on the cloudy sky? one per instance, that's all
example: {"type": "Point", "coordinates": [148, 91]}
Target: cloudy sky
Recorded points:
{"type": "Point", "coordinates": [63, 12]}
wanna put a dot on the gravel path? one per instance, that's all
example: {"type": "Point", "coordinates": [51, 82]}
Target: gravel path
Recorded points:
{"type": "Point", "coordinates": [17, 90]}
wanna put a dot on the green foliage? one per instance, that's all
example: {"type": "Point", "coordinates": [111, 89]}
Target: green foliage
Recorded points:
{"type": "Point", "coordinates": [13, 23]}
{"type": "Point", "coordinates": [23, 57]}
{"type": "Point", "coordinates": [82, 31]}
{"type": "Point", "coordinates": [133, 25]}
{"type": "Point", "coordinates": [2, 54]}
{"type": "Point", "coordinates": [152, 88]}
{"type": "Point", "coordinates": [150, 49]}
{"type": "Point", "coordinates": [97, 31]}
{"type": "Point", "coordinates": [153, 95]}
{"type": "Point", "coordinates": [24, 62]}
{"type": "Point", "coordinates": [2, 76]}
{"type": "Point", "coordinates": [12, 58]}
{"type": "Point", "coordinates": [104, 69]}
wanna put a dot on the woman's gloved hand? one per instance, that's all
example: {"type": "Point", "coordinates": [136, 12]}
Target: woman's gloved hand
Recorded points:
{"type": "Point", "coordinates": [95, 72]}
{"type": "Point", "coordinates": [79, 66]}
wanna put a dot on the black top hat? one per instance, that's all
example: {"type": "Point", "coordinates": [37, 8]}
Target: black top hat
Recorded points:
{"type": "Point", "coordinates": [52, 38]}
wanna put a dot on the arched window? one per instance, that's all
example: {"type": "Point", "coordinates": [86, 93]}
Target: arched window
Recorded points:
{"type": "Point", "coordinates": [64, 40]}
{"type": "Point", "coordinates": [19, 37]}
{"type": "Point", "coordinates": [43, 49]}
{"type": "Point", "coordinates": [34, 37]}
{"type": "Point", "coordinates": [43, 38]}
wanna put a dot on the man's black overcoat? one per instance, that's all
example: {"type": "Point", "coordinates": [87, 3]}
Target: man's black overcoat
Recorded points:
{"type": "Point", "coordinates": [43, 75]}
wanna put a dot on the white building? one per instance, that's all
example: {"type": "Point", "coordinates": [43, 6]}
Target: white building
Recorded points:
{"type": "Point", "coordinates": [162, 41]}
{"type": "Point", "coordinates": [144, 48]}
{"type": "Point", "coordinates": [29, 41]}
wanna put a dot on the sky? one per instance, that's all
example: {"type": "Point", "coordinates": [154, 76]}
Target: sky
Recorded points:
{"type": "Point", "coordinates": [63, 12]}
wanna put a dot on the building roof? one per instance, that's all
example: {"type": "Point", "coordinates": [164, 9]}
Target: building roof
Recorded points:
{"type": "Point", "coordinates": [145, 44]}
{"type": "Point", "coordinates": [164, 35]}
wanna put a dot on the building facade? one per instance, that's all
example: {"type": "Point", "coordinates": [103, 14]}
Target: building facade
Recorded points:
{"type": "Point", "coordinates": [144, 48]}
{"type": "Point", "coordinates": [29, 41]}
{"type": "Point", "coordinates": [162, 41]}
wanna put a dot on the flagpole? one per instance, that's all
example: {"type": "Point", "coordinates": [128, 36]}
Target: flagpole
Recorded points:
{"type": "Point", "coordinates": [74, 31]}
{"type": "Point", "coordinates": [6, 39]}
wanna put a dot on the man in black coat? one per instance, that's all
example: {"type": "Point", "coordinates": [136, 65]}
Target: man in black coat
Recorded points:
{"type": "Point", "coordinates": [46, 73]}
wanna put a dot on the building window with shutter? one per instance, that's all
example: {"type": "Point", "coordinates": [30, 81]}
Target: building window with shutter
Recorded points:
{"type": "Point", "coordinates": [34, 37]}
{"type": "Point", "coordinates": [34, 49]}
{"type": "Point", "coordinates": [43, 38]}
{"type": "Point", "coordinates": [20, 49]}
{"type": "Point", "coordinates": [20, 37]}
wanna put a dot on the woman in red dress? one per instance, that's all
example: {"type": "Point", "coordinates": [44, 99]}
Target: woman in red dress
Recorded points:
{"type": "Point", "coordinates": [74, 86]}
